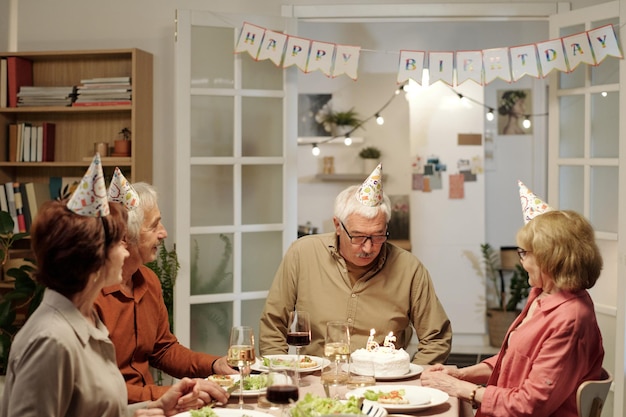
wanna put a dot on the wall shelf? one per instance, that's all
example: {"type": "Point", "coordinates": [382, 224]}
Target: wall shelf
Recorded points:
{"type": "Point", "coordinates": [356, 177]}
{"type": "Point", "coordinates": [326, 140]}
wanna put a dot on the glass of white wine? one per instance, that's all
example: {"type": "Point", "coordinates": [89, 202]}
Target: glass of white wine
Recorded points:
{"type": "Point", "coordinates": [337, 351]}
{"type": "Point", "coordinates": [241, 355]}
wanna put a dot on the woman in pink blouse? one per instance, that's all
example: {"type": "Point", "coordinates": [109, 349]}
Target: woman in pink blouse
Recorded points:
{"type": "Point", "coordinates": [555, 343]}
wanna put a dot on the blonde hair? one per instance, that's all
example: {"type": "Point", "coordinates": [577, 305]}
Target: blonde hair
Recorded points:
{"type": "Point", "coordinates": [563, 244]}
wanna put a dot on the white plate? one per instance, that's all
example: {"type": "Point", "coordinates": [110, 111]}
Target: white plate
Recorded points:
{"type": "Point", "coordinates": [414, 370]}
{"type": "Point", "coordinates": [230, 412]}
{"type": "Point", "coordinates": [246, 392]}
{"type": "Point", "coordinates": [419, 397]}
{"type": "Point", "coordinates": [321, 363]}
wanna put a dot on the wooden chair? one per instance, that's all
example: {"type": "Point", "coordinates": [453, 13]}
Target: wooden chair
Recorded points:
{"type": "Point", "coordinates": [591, 395]}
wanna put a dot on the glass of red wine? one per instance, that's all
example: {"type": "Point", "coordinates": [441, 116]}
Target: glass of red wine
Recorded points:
{"type": "Point", "coordinates": [298, 335]}
{"type": "Point", "coordinates": [282, 389]}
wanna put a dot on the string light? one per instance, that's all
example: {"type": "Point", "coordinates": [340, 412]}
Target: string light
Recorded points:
{"type": "Point", "coordinates": [526, 123]}
{"type": "Point", "coordinates": [490, 116]}
{"type": "Point", "coordinates": [348, 140]}
{"type": "Point", "coordinates": [316, 150]}
{"type": "Point", "coordinates": [379, 119]}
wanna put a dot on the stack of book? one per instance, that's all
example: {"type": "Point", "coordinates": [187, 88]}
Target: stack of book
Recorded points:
{"type": "Point", "coordinates": [106, 91]}
{"type": "Point", "coordinates": [45, 96]}
{"type": "Point", "coordinates": [30, 142]}
{"type": "Point", "coordinates": [22, 201]}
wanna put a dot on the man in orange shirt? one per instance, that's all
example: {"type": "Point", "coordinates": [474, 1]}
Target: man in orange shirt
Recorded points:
{"type": "Point", "coordinates": [136, 316]}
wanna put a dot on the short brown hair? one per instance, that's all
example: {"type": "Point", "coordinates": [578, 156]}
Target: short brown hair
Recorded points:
{"type": "Point", "coordinates": [69, 247]}
{"type": "Point", "coordinates": [563, 244]}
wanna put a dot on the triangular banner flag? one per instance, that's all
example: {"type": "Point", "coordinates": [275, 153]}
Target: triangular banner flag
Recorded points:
{"type": "Point", "coordinates": [551, 56]}
{"type": "Point", "coordinates": [272, 47]}
{"type": "Point", "coordinates": [496, 64]}
{"type": "Point", "coordinates": [297, 52]}
{"type": "Point", "coordinates": [524, 61]}
{"type": "Point", "coordinates": [469, 66]}
{"type": "Point", "coordinates": [441, 67]}
{"type": "Point", "coordinates": [250, 39]}
{"type": "Point", "coordinates": [604, 43]}
{"type": "Point", "coordinates": [321, 57]}
{"type": "Point", "coordinates": [347, 61]}
{"type": "Point", "coordinates": [410, 66]}
{"type": "Point", "coordinates": [578, 50]}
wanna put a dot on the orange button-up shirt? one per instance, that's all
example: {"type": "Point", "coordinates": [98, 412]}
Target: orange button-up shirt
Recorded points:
{"type": "Point", "coordinates": [139, 328]}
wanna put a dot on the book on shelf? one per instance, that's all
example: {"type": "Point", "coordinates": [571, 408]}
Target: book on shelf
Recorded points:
{"type": "Point", "coordinates": [4, 204]}
{"type": "Point", "coordinates": [19, 207]}
{"type": "Point", "coordinates": [8, 188]}
{"type": "Point", "coordinates": [28, 221]}
{"type": "Point", "coordinates": [63, 187]}
{"type": "Point", "coordinates": [19, 73]}
{"type": "Point", "coordinates": [38, 154]}
{"type": "Point", "coordinates": [37, 193]}
{"type": "Point", "coordinates": [12, 151]}
{"type": "Point", "coordinates": [48, 141]}
{"type": "Point", "coordinates": [3, 82]}
{"type": "Point", "coordinates": [26, 133]}
{"type": "Point", "coordinates": [102, 103]}
{"type": "Point", "coordinates": [103, 80]}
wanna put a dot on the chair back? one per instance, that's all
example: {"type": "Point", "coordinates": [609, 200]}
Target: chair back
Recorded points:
{"type": "Point", "coordinates": [591, 395]}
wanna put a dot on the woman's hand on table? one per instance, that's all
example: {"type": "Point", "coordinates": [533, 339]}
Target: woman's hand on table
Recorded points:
{"type": "Point", "coordinates": [182, 396]}
{"type": "Point", "coordinates": [211, 391]}
{"type": "Point", "coordinates": [221, 367]}
{"type": "Point", "coordinates": [445, 378]}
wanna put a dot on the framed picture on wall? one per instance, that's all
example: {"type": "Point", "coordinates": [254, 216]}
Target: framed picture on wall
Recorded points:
{"type": "Point", "coordinates": [513, 107]}
{"type": "Point", "coordinates": [308, 106]}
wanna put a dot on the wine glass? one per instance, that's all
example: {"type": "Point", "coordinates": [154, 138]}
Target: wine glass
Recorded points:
{"type": "Point", "coordinates": [298, 335]}
{"type": "Point", "coordinates": [337, 350]}
{"type": "Point", "coordinates": [241, 355]}
{"type": "Point", "coordinates": [282, 388]}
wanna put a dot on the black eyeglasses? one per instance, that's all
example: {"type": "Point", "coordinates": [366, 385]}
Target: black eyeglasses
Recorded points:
{"type": "Point", "coordinates": [522, 253]}
{"type": "Point", "coordinates": [360, 240]}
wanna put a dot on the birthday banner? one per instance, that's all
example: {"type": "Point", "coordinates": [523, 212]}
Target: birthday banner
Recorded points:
{"type": "Point", "coordinates": [481, 66]}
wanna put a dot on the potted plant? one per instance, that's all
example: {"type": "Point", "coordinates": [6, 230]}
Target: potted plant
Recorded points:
{"type": "Point", "coordinates": [371, 158]}
{"type": "Point", "coordinates": [338, 123]}
{"type": "Point", "coordinates": [19, 303]}
{"type": "Point", "coordinates": [121, 147]}
{"type": "Point", "coordinates": [502, 309]}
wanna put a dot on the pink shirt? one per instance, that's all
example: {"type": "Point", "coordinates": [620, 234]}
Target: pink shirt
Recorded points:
{"type": "Point", "coordinates": [542, 362]}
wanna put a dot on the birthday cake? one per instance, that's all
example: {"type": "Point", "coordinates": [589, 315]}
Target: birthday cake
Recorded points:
{"type": "Point", "coordinates": [388, 361]}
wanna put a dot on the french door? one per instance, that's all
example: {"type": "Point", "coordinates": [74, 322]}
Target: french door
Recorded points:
{"type": "Point", "coordinates": [235, 178]}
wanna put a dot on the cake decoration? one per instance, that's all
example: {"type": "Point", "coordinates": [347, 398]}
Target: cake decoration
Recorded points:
{"type": "Point", "coordinates": [371, 343]}
{"type": "Point", "coordinates": [388, 361]}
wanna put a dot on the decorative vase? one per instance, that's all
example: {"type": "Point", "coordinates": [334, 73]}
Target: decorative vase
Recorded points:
{"type": "Point", "coordinates": [341, 130]}
{"type": "Point", "coordinates": [121, 147]}
{"type": "Point", "coordinates": [369, 165]}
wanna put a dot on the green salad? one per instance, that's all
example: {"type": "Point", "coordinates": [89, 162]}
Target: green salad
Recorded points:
{"type": "Point", "coordinates": [312, 405]}
{"type": "Point", "coordinates": [203, 412]}
{"type": "Point", "coordinates": [254, 382]}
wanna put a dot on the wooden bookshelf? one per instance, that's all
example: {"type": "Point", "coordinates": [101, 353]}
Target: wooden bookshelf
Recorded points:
{"type": "Point", "coordinates": [78, 128]}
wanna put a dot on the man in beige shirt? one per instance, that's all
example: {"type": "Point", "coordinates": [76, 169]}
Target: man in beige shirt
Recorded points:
{"type": "Point", "coordinates": [355, 275]}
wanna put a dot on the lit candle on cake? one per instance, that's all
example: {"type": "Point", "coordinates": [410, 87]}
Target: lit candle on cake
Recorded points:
{"type": "Point", "coordinates": [389, 339]}
{"type": "Point", "coordinates": [371, 344]}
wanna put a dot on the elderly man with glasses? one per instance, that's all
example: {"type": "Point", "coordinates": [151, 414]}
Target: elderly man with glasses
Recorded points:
{"type": "Point", "coordinates": [355, 275]}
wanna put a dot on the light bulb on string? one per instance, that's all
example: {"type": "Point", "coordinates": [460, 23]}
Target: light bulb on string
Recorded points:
{"type": "Point", "coordinates": [526, 123]}
{"type": "Point", "coordinates": [316, 150]}
{"type": "Point", "coordinates": [490, 116]}
{"type": "Point", "coordinates": [379, 119]}
{"type": "Point", "coordinates": [604, 94]}
{"type": "Point", "coordinates": [348, 140]}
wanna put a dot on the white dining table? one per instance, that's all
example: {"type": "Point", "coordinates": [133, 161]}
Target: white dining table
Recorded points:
{"type": "Point", "coordinates": [453, 407]}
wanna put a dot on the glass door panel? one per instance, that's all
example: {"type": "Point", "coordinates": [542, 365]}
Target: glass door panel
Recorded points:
{"type": "Point", "coordinates": [572, 126]}
{"type": "Point", "coordinates": [259, 267]}
{"type": "Point", "coordinates": [212, 63]}
{"type": "Point", "coordinates": [605, 125]}
{"type": "Point", "coordinates": [212, 124]}
{"type": "Point", "coordinates": [603, 201]}
{"type": "Point", "coordinates": [212, 200]}
{"type": "Point", "coordinates": [210, 326]}
{"type": "Point", "coordinates": [260, 74]}
{"type": "Point", "coordinates": [261, 136]}
{"type": "Point", "coordinates": [211, 263]}
{"type": "Point", "coordinates": [262, 195]}
{"type": "Point", "coordinates": [571, 178]}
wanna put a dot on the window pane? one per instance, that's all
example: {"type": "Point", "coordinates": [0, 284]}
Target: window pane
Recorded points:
{"type": "Point", "coordinates": [250, 312]}
{"type": "Point", "coordinates": [212, 126]}
{"type": "Point", "coordinates": [575, 78]}
{"type": "Point", "coordinates": [260, 74]}
{"type": "Point", "coordinates": [570, 189]}
{"type": "Point", "coordinates": [262, 135]}
{"type": "Point", "coordinates": [605, 125]}
{"type": "Point", "coordinates": [206, 183]}
{"type": "Point", "coordinates": [210, 326]}
{"type": "Point", "coordinates": [212, 63]}
{"type": "Point", "coordinates": [258, 271]}
{"type": "Point", "coordinates": [572, 126]}
{"type": "Point", "coordinates": [262, 199]}
{"type": "Point", "coordinates": [604, 204]}
{"type": "Point", "coordinates": [608, 71]}
{"type": "Point", "coordinates": [211, 263]}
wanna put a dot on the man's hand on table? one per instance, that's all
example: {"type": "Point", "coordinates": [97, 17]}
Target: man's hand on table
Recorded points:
{"type": "Point", "coordinates": [221, 367]}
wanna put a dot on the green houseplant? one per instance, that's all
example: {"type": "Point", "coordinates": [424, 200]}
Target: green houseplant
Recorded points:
{"type": "Point", "coordinates": [334, 121]}
{"type": "Point", "coordinates": [21, 301]}
{"type": "Point", "coordinates": [503, 313]}
{"type": "Point", "coordinates": [370, 152]}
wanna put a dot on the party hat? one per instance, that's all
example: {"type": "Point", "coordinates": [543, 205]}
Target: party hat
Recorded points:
{"type": "Point", "coordinates": [370, 193]}
{"type": "Point", "coordinates": [90, 197]}
{"type": "Point", "coordinates": [120, 191]}
{"type": "Point", "coordinates": [532, 206]}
